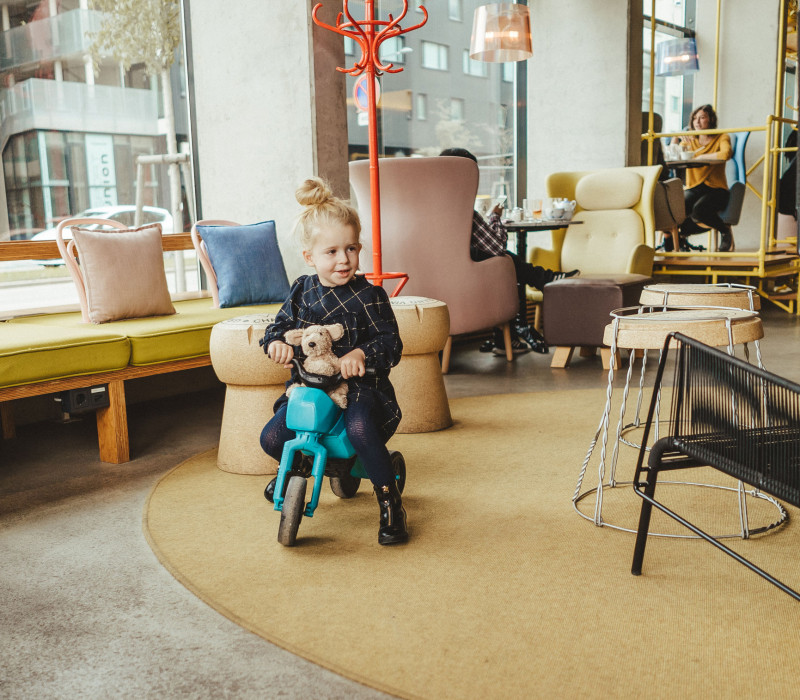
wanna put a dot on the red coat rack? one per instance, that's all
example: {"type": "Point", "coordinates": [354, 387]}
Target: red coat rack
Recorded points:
{"type": "Point", "coordinates": [370, 34]}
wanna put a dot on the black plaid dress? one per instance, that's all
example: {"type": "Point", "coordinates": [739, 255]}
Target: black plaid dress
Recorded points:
{"type": "Point", "coordinates": [369, 323]}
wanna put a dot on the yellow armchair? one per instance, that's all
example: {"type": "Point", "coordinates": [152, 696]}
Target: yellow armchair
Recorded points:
{"type": "Point", "coordinates": [612, 246]}
{"type": "Point", "coordinates": [565, 184]}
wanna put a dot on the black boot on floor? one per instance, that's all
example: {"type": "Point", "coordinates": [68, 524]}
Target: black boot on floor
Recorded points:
{"type": "Point", "coordinates": [725, 240]}
{"type": "Point", "coordinates": [393, 517]}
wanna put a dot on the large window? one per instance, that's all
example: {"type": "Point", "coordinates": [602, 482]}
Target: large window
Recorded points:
{"type": "Point", "coordinates": [72, 124]}
{"type": "Point", "coordinates": [672, 94]}
{"type": "Point", "coordinates": [435, 104]}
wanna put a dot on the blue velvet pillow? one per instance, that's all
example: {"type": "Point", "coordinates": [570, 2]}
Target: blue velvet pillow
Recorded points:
{"type": "Point", "coordinates": [247, 263]}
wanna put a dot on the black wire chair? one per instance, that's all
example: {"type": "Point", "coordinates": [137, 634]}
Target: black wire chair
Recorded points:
{"type": "Point", "coordinates": [729, 415]}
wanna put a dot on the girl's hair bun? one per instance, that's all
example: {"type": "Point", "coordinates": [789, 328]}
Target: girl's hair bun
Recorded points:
{"type": "Point", "coordinates": [321, 208]}
{"type": "Point", "coordinates": [313, 192]}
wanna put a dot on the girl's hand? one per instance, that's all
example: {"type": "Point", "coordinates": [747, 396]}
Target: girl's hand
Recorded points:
{"type": "Point", "coordinates": [352, 364]}
{"type": "Point", "coordinates": [281, 353]}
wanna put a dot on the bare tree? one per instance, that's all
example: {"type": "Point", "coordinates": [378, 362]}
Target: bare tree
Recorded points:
{"type": "Point", "coordinates": [146, 32]}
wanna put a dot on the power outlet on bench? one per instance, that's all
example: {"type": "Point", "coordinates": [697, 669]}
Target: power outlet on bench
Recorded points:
{"type": "Point", "coordinates": [84, 400]}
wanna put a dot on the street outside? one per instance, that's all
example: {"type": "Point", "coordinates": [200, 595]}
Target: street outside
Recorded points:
{"type": "Point", "coordinates": [28, 285]}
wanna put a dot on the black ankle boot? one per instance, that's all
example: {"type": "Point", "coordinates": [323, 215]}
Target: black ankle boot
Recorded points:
{"type": "Point", "coordinates": [393, 516]}
{"type": "Point", "coordinates": [725, 240]}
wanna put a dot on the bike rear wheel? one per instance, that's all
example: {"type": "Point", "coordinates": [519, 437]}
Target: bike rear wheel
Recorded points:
{"type": "Point", "coordinates": [345, 486]}
{"type": "Point", "coordinates": [399, 469]}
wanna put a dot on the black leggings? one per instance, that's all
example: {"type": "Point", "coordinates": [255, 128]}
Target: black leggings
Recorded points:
{"type": "Point", "coordinates": [533, 275]}
{"type": "Point", "coordinates": [362, 430]}
{"type": "Point", "coordinates": [703, 206]}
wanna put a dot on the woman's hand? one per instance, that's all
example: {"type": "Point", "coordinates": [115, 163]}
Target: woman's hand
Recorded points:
{"type": "Point", "coordinates": [281, 353]}
{"type": "Point", "coordinates": [352, 364]}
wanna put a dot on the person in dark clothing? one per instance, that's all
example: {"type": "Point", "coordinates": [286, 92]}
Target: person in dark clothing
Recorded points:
{"type": "Point", "coordinates": [489, 240]}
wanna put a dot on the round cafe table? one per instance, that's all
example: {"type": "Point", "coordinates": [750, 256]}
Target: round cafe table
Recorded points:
{"type": "Point", "coordinates": [646, 328]}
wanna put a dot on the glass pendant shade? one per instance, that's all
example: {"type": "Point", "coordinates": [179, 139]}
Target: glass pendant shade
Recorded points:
{"type": "Point", "coordinates": [676, 57]}
{"type": "Point", "coordinates": [501, 33]}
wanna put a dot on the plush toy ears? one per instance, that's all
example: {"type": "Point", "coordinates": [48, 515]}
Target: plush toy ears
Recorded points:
{"type": "Point", "coordinates": [294, 336]}
{"type": "Point", "coordinates": [336, 330]}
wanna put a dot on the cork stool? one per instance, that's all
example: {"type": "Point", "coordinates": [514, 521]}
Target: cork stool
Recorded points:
{"type": "Point", "coordinates": [424, 327]}
{"type": "Point", "coordinates": [735, 296]}
{"type": "Point", "coordinates": [254, 383]}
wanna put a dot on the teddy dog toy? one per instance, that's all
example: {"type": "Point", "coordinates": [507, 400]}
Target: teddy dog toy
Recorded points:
{"type": "Point", "coordinates": [317, 344]}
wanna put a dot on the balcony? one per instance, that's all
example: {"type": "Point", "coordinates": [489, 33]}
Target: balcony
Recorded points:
{"type": "Point", "coordinates": [62, 106]}
{"type": "Point", "coordinates": [47, 40]}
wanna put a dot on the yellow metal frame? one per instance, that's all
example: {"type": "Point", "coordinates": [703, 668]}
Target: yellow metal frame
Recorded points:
{"type": "Point", "coordinates": [772, 259]}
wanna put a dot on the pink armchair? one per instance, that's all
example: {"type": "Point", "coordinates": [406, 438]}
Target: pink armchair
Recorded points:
{"type": "Point", "coordinates": [426, 223]}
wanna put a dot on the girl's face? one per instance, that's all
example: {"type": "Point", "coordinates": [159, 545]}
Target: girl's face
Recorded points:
{"type": "Point", "coordinates": [334, 254]}
{"type": "Point", "coordinates": [701, 120]}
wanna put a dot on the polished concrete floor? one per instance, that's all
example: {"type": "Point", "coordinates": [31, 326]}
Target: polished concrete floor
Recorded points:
{"type": "Point", "coordinates": [87, 610]}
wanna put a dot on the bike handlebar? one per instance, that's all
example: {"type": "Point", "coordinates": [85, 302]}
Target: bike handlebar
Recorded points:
{"type": "Point", "coordinates": [323, 381]}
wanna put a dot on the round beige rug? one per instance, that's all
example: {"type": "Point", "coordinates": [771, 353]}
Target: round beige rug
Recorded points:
{"type": "Point", "coordinates": [503, 590]}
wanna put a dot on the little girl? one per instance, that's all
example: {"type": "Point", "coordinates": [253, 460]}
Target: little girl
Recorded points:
{"type": "Point", "coordinates": [329, 231]}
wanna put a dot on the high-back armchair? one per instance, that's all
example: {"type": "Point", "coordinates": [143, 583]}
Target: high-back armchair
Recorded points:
{"type": "Point", "coordinates": [426, 224]}
{"type": "Point", "coordinates": [612, 247]}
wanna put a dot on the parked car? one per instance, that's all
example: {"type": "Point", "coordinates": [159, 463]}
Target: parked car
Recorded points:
{"type": "Point", "coordinates": [123, 213]}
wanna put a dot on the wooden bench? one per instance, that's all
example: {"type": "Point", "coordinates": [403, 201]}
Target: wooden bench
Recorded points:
{"type": "Point", "coordinates": [195, 318]}
{"type": "Point", "coordinates": [728, 415]}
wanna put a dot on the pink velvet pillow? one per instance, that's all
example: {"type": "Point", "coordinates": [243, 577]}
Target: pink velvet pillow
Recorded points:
{"type": "Point", "coordinates": [123, 271]}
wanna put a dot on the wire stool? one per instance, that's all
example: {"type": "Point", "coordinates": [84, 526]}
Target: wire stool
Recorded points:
{"type": "Point", "coordinates": [646, 328]}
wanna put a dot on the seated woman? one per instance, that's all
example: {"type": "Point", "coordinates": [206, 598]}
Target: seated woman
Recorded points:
{"type": "Point", "coordinates": [706, 190]}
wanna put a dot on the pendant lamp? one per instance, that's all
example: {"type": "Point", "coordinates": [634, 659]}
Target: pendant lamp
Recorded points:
{"type": "Point", "coordinates": [676, 57]}
{"type": "Point", "coordinates": [501, 33]}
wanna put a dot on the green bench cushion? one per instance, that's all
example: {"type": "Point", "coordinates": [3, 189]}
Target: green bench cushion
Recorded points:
{"type": "Point", "coordinates": [180, 336]}
{"type": "Point", "coordinates": [32, 353]}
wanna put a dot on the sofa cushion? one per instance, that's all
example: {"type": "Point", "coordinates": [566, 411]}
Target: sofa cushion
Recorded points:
{"type": "Point", "coordinates": [247, 263]}
{"type": "Point", "coordinates": [123, 272]}
{"type": "Point", "coordinates": [180, 336]}
{"type": "Point", "coordinates": [32, 353]}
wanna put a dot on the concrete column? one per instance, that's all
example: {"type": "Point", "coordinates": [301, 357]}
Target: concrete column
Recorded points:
{"type": "Point", "coordinates": [262, 82]}
{"type": "Point", "coordinates": [585, 90]}
{"type": "Point", "coordinates": [4, 17]}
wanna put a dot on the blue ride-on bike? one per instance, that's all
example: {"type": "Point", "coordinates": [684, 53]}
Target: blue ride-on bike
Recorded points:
{"type": "Point", "coordinates": [320, 448]}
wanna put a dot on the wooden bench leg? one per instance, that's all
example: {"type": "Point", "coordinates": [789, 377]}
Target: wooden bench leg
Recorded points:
{"type": "Point", "coordinates": [112, 426]}
{"type": "Point", "coordinates": [7, 419]}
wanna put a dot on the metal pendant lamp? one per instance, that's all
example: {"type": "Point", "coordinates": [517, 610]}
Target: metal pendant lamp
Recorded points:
{"type": "Point", "coordinates": [676, 57]}
{"type": "Point", "coordinates": [501, 33]}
